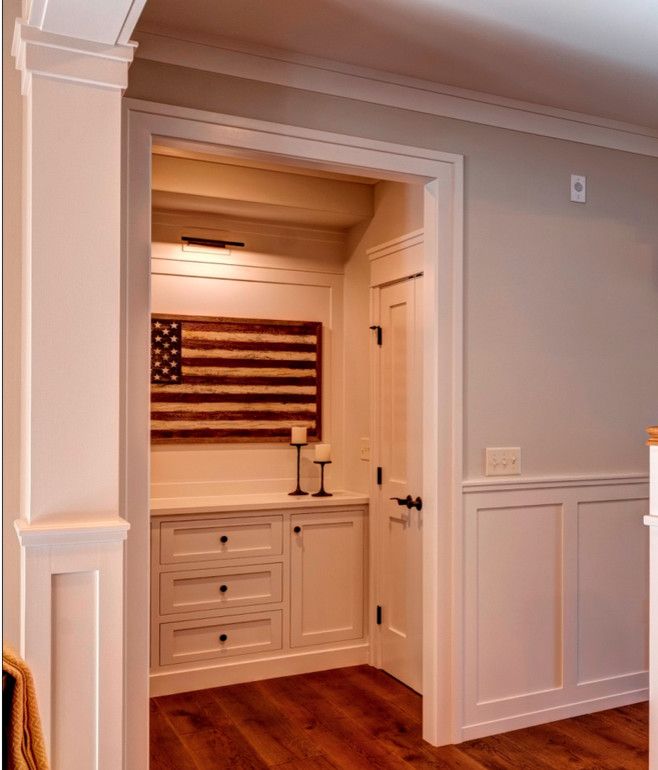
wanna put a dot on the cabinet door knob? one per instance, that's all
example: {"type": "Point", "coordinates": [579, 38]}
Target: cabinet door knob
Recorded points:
{"type": "Point", "coordinates": [223, 637]}
{"type": "Point", "coordinates": [223, 589]}
{"type": "Point", "coordinates": [297, 530]}
{"type": "Point", "coordinates": [223, 539]}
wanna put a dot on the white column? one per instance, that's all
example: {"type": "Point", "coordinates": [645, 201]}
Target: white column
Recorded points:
{"type": "Point", "coordinates": [70, 531]}
{"type": "Point", "coordinates": [652, 521]}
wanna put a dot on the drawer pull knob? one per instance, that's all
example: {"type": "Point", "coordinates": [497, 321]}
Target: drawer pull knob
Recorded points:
{"type": "Point", "coordinates": [223, 589]}
{"type": "Point", "coordinates": [223, 637]}
{"type": "Point", "coordinates": [297, 530]}
{"type": "Point", "coordinates": [223, 539]}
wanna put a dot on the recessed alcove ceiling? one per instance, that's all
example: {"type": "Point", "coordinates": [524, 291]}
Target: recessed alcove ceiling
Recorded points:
{"type": "Point", "coordinates": [591, 56]}
{"type": "Point", "coordinates": [199, 183]}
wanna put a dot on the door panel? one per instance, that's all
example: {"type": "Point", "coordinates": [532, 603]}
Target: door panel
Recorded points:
{"type": "Point", "coordinates": [400, 389]}
{"type": "Point", "coordinates": [326, 578]}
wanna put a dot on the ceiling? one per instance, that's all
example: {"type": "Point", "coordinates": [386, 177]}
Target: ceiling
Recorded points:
{"type": "Point", "coordinates": [598, 57]}
{"type": "Point", "coordinates": [186, 181]}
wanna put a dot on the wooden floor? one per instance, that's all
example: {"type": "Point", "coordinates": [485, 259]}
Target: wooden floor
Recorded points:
{"type": "Point", "coordinates": [360, 719]}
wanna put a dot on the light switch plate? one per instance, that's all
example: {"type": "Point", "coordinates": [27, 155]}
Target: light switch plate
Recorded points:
{"type": "Point", "coordinates": [364, 449]}
{"type": "Point", "coordinates": [503, 461]}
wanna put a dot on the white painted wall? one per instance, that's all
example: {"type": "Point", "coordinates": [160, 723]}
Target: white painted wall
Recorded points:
{"type": "Point", "coordinates": [12, 106]}
{"type": "Point", "coordinates": [561, 298]}
{"type": "Point", "coordinates": [284, 273]}
{"type": "Point", "coordinates": [398, 209]}
{"type": "Point", "coordinates": [560, 322]}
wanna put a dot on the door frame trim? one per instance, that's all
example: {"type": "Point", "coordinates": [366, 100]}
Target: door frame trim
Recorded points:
{"type": "Point", "coordinates": [442, 174]}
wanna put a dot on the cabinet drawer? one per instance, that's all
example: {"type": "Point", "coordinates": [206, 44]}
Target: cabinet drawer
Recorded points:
{"type": "Point", "coordinates": [192, 640]}
{"type": "Point", "coordinates": [189, 541]}
{"type": "Point", "coordinates": [220, 588]}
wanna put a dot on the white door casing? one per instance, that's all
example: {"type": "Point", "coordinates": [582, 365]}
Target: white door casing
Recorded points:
{"type": "Point", "coordinates": [442, 176]}
{"type": "Point", "coordinates": [400, 452]}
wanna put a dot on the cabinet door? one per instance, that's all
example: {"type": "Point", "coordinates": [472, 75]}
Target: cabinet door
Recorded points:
{"type": "Point", "coordinates": [327, 576]}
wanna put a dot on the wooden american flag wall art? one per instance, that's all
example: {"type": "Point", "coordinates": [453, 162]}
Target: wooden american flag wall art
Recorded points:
{"type": "Point", "coordinates": [234, 379]}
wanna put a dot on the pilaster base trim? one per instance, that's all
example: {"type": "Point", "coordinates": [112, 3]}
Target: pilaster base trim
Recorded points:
{"type": "Point", "coordinates": [49, 533]}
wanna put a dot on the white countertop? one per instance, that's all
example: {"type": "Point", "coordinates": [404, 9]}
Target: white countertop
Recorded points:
{"type": "Point", "coordinates": [165, 506]}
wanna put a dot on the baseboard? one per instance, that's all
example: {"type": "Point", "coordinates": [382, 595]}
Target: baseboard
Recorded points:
{"type": "Point", "coordinates": [284, 664]}
{"type": "Point", "coordinates": [543, 716]}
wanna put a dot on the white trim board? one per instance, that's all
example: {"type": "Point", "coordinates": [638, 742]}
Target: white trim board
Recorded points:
{"type": "Point", "coordinates": [333, 78]}
{"type": "Point", "coordinates": [290, 664]}
{"type": "Point", "coordinates": [473, 486]}
{"type": "Point", "coordinates": [395, 245]}
{"type": "Point", "coordinates": [442, 174]}
{"type": "Point", "coordinates": [543, 716]}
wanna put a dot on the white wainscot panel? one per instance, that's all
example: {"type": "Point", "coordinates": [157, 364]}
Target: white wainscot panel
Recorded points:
{"type": "Point", "coordinates": [519, 601]}
{"type": "Point", "coordinates": [613, 589]}
{"type": "Point", "coordinates": [555, 600]}
{"type": "Point", "coordinates": [75, 634]}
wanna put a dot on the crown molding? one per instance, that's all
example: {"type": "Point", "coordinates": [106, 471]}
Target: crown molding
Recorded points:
{"type": "Point", "coordinates": [336, 79]}
{"type": "Point", "coordinates": [65, 58]}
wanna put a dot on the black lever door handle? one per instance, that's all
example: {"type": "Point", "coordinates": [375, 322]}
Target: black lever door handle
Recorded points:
{"type": "Point", "coordinates": [409, 502]}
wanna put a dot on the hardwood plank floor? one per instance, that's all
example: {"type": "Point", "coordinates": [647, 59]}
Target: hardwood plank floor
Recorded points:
{"type": "Point", "coordinates": [362, 719]}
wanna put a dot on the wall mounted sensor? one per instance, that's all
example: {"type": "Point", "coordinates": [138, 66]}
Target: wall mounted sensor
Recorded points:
{"type": "Point", "coordinates": [578, 188]}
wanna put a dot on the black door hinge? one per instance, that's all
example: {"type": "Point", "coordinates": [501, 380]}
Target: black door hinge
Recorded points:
{"type": "Point", "coordinates": [378, 329]}
{"type": "Point", "coordinates": [379, 475]}
{"type": "Point", "coordinates": [379, 615]}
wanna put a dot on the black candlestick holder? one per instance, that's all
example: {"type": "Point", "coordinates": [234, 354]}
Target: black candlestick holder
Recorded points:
{"type": "Point", "coordinates": [299, 490]}
{"type": "Point", "coordinates": [321, 492]}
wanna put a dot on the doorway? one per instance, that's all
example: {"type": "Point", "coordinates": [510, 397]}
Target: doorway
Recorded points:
{"type": "Point", "coordinates": [441, 174]}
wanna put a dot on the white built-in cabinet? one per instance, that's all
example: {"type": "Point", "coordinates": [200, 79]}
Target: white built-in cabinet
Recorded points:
{"type": "Point", "coordinates": [242, 593]}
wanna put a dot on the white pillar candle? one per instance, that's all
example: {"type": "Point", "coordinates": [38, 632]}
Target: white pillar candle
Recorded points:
{"type": "Point", "coordinates": [298, 435]}
{"type": "Point", "coordinates": [323, 452]}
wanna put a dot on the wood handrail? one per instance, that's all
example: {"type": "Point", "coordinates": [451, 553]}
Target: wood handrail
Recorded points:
{"type": "Point", "coordinates": [653, 435]}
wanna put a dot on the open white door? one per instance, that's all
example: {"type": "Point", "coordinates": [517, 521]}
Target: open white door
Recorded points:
{"type": "Point", "coordinates": [401, 522]}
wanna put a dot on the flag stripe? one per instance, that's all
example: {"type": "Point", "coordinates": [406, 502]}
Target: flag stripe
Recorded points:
{"type": "Point", "coordinates": [277, 363]}
{"type": "Point", "coordinates": [217, 423]}
{"type": "Point", "coordinates": [222, 351]}
{"type": "Point", "coordinates": [257, 346]}
{"type": "Point", "coordinates": [253, 380]}
{"type": "Point", "coordinates": [237, 328]}
{"type": "Point", "coordinates": [227, 389]}
{"type": "Point", "coordinates": [247, 371]}
{"type": "Point", "coordinates": [246, 336]}
{"type": "Point", "coordinates": [246, 415]}
{"type": "Point", "coordinates": [233, 406]}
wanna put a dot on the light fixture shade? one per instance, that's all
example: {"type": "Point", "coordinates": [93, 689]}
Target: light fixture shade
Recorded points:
{"type": "Point", "coordinates": [189, 240]}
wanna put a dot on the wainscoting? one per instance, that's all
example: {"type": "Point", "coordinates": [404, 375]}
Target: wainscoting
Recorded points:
{"type": "Point", "coordinates": [556, 596]}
